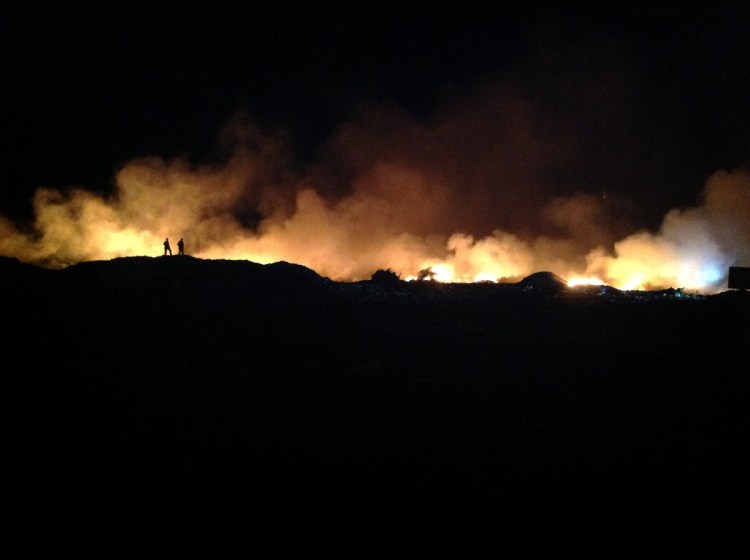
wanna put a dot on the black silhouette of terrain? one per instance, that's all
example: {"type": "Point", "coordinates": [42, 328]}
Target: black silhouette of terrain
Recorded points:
{"type": "Point", "coordinates": [177, 370]}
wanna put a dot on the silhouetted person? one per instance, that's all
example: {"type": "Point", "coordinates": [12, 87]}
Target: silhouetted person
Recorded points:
{"type": "Point", "coordinates": [167, 248]}
{"type": "Point", "coordinates": [180, 247]}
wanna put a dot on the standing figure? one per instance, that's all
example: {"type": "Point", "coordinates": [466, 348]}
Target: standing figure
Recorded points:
{"type": "Point", "coordinates": [180, 247]}
{"type": "Point", "coordinates": [167, 248]}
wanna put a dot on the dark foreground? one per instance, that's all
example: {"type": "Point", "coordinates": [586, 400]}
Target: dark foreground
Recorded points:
{"type": "Point", "coordinates": [180, 372]}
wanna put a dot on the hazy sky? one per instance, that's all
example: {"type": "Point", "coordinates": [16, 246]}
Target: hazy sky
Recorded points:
{"type": "Point", "coordinates": [585, 122]}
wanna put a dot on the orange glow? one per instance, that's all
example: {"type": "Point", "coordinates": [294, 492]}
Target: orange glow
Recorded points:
{"type": "Point", "coordinates": [584, 281]}
{"type": "Point", "coordinates": [444, 273]}
{"type": "Point", "coordinates": [396, 213]}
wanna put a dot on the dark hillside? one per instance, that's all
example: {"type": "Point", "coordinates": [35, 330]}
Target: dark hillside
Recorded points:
{"type": "Point", "coordinates": [181, 369]}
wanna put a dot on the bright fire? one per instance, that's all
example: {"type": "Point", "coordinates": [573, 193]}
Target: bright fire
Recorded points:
{"type": "Point", "coordinates": [414, 215]}
{"type": "Point", "coordinates": [581, 281]}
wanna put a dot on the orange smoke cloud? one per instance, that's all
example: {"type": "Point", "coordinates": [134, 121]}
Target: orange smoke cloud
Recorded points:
{"type": "Point", "coordinates": [464, 194]}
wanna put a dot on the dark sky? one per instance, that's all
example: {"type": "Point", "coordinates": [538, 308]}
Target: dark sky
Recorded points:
{"type": "Point", "coordinates": [657, 93]}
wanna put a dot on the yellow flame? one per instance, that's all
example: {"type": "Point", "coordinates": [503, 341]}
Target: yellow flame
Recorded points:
{"type": "Point", "coordinates": [635, 282]}
{"type": "Point", "coordinates": [584, 281]}
{"type": "Point", "coordinates": [485, 277]}
{"type": "Point", "coordinates": [444, 272]}
{"type": "Point", "coordinates": [395, 217]}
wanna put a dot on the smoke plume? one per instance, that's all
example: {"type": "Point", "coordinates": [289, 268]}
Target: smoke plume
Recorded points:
{"type": "Point", "coordinates": [481, 190]}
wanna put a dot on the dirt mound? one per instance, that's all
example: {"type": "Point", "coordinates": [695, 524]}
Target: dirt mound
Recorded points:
{"type": "Point", "coordinates": [544, 281]}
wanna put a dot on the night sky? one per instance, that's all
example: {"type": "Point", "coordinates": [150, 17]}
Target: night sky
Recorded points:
{"type": "Point", "coordinates": [91, 85]}
{"type": "Point", "coordinates": [635, 100]}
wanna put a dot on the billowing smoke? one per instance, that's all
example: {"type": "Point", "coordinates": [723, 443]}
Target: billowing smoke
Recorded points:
{"type": "Point", "coordinates": [693, 248]}
{"type": "Point", "coordinates": [477, 191]}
